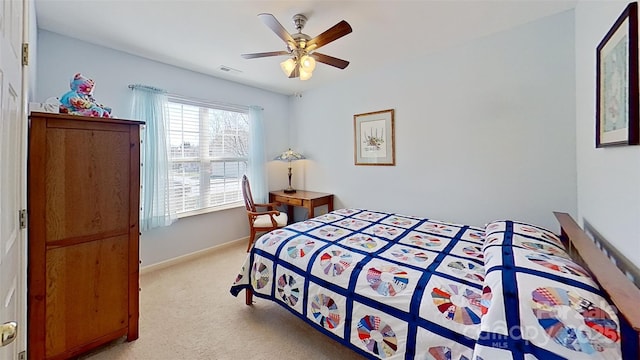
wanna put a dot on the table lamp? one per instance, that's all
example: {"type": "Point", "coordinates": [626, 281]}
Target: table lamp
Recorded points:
{"type": "Point", "coordinates": [289, 156]}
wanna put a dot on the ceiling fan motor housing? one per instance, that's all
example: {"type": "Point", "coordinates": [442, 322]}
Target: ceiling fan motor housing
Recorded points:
{"type": "Point", "coordinates": [301, 39]}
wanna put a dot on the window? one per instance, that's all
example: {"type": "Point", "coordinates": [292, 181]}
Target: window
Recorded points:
{"type": "Point", "coordinates": [208, 155]}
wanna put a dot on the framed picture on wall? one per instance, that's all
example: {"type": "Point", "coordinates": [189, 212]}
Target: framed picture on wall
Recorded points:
{"type": "Point", "coordinates": [374, 142]}
{"type": "Point", "coordinates": [617, 82]}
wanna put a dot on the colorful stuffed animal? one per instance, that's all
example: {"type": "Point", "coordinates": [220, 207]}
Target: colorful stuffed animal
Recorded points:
{"type": "Point", "coordinates": [79, 100]}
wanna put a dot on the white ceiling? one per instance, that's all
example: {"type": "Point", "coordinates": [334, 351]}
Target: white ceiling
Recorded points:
{"type": "Point", "coordinates": [206, 34]}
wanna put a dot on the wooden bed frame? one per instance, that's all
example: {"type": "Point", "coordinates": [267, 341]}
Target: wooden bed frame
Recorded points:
{"type": "Point", "coordinates": [620, 290]}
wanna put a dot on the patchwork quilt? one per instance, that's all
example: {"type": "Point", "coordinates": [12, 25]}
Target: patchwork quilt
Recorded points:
{"type": "Point", "coordinates": [545, 306]}
{"type": "Point", "coordinates": [403, 287]}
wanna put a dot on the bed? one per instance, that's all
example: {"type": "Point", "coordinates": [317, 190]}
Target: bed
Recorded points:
{"type": "Point", "coordinates": [404, 287]}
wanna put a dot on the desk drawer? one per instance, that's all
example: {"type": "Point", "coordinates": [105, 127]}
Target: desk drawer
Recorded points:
{"type": "Point", "coordinates": [288, 201]}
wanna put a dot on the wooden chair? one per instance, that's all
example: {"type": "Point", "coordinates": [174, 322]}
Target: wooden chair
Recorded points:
{"type": "Point", "coordinates": [260, 221]}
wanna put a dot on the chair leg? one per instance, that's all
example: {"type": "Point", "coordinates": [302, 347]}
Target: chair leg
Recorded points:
{"type": "Point", "coordinates": [252, 238]}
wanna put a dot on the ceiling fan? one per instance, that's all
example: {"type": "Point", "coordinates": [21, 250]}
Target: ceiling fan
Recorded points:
{"type": "Point", "coordinates": [301, 47]}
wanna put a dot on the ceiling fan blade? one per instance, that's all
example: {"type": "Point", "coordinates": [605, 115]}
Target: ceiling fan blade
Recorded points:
{"type": "Point", "coordinates": [264, 54]}
{"type": "Point", "coordinates": [330, 60]}
{"type": "Point", "coordinates": [333, 33]}
{"type": "Point", "coordinates": [277, 28]}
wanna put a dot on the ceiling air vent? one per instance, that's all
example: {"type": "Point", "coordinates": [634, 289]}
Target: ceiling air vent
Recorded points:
{"type": "Point", "coordinates": [229, 70]}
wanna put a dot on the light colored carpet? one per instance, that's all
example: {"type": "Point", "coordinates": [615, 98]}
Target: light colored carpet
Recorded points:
{"type": "Point", "coordinates": [187, 312]}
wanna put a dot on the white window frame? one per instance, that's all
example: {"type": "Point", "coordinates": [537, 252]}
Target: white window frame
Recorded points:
{"type": "Point", "coordinates": [203, 158]}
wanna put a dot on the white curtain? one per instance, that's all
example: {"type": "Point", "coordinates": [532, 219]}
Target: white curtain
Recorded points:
{"type": "Point", "coordinates": [150, 104]}
{"type": "Point", "coordinates": [256, 168]}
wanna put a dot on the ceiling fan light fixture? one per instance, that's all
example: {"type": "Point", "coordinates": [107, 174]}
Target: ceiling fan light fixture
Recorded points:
{"type": "Point", "coordinates": [307, 63]}
{"type": "Point", "coordinates": [288, 66]}
{"type": "Point", "coordinates": [305, 75]}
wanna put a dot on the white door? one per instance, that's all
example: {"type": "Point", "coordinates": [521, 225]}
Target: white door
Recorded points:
{"type": "Point", "coordinates": [12, 179]}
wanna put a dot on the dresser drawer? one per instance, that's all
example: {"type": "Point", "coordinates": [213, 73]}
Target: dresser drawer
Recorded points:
{"type": "Point", "coordinates": [288, 201]}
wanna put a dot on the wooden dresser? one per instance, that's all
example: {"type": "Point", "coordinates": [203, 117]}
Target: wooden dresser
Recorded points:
{"type": "Point", "coordinates": [83, 246]}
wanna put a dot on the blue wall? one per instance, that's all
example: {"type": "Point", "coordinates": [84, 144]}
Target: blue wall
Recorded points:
{"type": "Point", "coordinates": [59, 57]}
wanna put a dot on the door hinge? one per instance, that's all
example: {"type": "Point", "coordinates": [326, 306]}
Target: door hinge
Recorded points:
{"type": "Point", "coordinates": [22, 355]}
{"type": "Point", "coordinates": [22, 215]}
{"type": "Point", "coordinates": [25, 54]}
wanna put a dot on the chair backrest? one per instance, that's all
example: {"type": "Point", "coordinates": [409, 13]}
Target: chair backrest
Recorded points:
{"type": "Point", "coordinates": [246, 193]}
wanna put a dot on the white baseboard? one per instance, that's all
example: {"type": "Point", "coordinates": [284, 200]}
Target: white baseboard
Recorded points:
{"type": "Point", "coordinates": [187, 257]}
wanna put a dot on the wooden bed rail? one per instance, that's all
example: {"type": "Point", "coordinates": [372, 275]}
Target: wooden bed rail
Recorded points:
{"type": "Point", "coordinates": [621, 291]}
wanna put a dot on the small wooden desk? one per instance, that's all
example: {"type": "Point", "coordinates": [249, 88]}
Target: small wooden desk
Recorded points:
{"type": "Point", "coordinates": [307, 199]}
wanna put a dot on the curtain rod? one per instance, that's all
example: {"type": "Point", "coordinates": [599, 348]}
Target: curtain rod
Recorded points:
{"type": "Point", "coordinates": [133, 86]}
{"type": "Point", "coordinates": [194, 100]}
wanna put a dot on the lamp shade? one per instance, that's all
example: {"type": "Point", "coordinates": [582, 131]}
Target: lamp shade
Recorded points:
{"type": "Point", "coordinates": [307, 63]}
{"type": "Point", "coordinates": [289, 155]}
{"type": "Point", "coordinates": [304, 75]}
{"type": "Point", "coordinates": [299, 67]}
{"type": "Point", "coordinates": [288, 66]}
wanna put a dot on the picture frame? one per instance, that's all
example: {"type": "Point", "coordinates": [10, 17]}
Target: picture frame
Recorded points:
{"type": "Point", "coordinates": [617, 121]}
{"type": "Point", "coordinates": [374, 138]}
